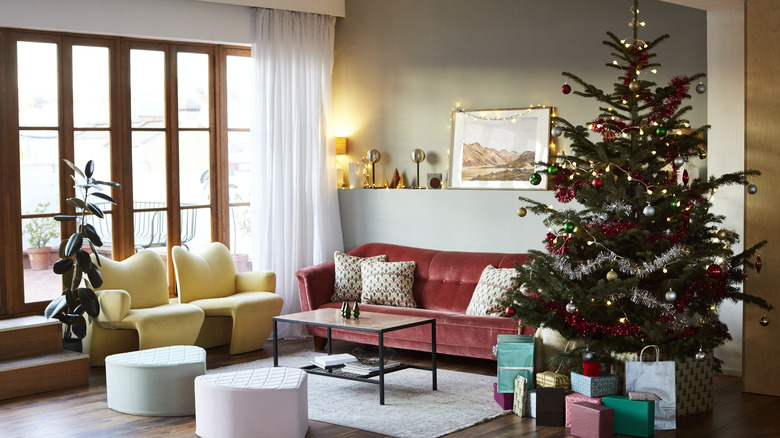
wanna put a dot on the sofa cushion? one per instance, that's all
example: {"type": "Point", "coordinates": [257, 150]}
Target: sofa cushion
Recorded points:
{"type": "Point", "coordinates": [493, 285]}
{"type": "Point", "coordinates": [388, 283]}
{"type": "Point", "coordinates": [348, 284]}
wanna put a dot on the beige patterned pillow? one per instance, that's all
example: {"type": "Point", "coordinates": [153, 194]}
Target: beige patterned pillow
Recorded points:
{"type": "Point", "coordinates": [348, 283]}
{"type": "Point", "coordinates": [389, 283]}
{"type": "Point", "coordinates": [493, 285]}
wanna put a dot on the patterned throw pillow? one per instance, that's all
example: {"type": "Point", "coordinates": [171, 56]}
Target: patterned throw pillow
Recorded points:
{"type": "Point", "coordinates": [389, 283]}
{"type": "Point", "coordinates": [493, 285]}
{"type": "Point", "coordinates": [348, 280]}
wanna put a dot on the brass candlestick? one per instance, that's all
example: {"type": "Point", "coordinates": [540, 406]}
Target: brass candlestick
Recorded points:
{"type": "Point", "coordinates": [418, 156]}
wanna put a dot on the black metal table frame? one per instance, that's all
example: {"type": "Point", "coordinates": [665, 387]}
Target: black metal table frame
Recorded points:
{"type": "Point", "coordinates": [367, 378]}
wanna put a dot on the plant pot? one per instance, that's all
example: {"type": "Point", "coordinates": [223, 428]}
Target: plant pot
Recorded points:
{"type": "Point", "coordinates": [40, 258]}
{"type": "Point", "coordinates": [72, 344]}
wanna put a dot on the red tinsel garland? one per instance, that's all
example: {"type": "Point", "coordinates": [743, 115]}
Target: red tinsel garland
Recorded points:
{"type": "Point", "coordinates": [585, 327]}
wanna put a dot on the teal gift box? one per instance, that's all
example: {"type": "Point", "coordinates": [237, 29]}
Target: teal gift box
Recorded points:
{"type": "Point", "coordinates": [632, 417]}
{"type": "Point", "coordinates": [515, 356]}
{"type": "Point", "coordinates": [604, 384]}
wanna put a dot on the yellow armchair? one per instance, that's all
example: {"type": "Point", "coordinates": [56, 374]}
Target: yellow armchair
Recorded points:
{"type": "Point", "coordinates": [239, 307]}
{"type": "Point", "coordinates": [135, 312]}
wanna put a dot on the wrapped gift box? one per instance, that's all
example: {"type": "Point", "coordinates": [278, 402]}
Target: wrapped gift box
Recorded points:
{"type": "Point", "coordinates": [521, 393]}
{"type": "Point", "coordinates": [605, 384]}
{"type": "Point", "coordinates": [590, 420]}
{"type": "Point", "coordinates": [632, 417]}
{"type": "Point", "coordinates": [503, 400]}
{"type": "Point", "coordinates": [550, 407]}
{"type": "Point", "coordinates": [576, 397]}
{"type": "Point", "coordinates": [549, 379]}
{"type": "Point", "coordinates": [515, 356]}
{"type": "Point", "coordinates": [531, 408]}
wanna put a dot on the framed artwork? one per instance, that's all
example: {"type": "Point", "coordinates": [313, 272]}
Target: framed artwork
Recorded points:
{"type": "Point", "coordinates": [497, 149]}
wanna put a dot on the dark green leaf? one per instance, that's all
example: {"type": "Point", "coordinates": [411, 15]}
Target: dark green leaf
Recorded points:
{"type": "Point", "coordinates": [95, 252]}
{"type": "Point", "coordinates": [55, 306]}
{"type": "Point", "coordinates": [78, 203]}
{"type": "Point", "coordinates": [109, 183]}
{"type": "Point", "coordinates": [64, 218]}
{"type": "Point", "coordinates": [62, 266]}
{"type": "Point", "coordinates": [95, 210]}
{"type": "Point", "coordinates": [89, 169]}
{"type": "Point", "coordinates": [95, 278]}
{"type": "Point", "coordinates": [104, 197]}
{"type": "Point", "coordinates": [89, 301]}
{"type": "Point", "coordinates": [93, 236]}
{"type": "Point", "coordinates": [75, 169]}
{"type": "Point", "coordinates": [84, 261]}
{"type": "Point", "coordinates": [79, 326]}
{"type": "Point", "coordinates": [67, 278]}
{"type": "Point", "coordinates": [74, 244]}
{"type": "Point", "coordinates": [63, 245]}
{"type": "Point", "coordinates": [72, 298]}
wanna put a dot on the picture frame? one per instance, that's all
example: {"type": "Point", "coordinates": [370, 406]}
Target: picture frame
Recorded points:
{"type": "Point", "coordinates": [497, 149]}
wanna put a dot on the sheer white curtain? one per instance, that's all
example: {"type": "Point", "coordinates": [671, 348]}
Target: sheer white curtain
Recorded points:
{"type": "Point", "coordinates": [294, 197]}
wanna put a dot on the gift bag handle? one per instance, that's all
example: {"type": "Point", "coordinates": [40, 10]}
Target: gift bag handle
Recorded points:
{"type": "Point", "coordinates": [657, 353]}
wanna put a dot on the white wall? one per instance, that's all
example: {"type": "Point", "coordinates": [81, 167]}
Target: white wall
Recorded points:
{"type": "Point", "coordinates": [726, 142]}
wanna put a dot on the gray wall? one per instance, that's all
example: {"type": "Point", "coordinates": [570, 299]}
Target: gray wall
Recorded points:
{"type": "Point", "coordinates": [402, 66]}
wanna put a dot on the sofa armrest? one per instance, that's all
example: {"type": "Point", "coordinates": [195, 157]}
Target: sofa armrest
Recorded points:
{"type": "Point", "coordinates": [114, 305]}
{"type": "Point", "coordinates": [256, 281]}
{"type": "Point", "coordinates": [315, 285]}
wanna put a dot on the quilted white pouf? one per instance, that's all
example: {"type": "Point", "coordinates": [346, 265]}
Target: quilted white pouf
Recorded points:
{"type": "Point", "coordinates": [264, 402]}
{"type": "Point", "coordinates": [155, 382]}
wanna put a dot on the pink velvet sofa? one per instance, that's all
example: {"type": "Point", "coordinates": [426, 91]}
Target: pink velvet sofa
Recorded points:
{"type": "Point", "coordinates": [443, 284]}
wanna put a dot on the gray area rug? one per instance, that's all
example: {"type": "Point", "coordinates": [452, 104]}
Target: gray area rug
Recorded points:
{"type": "Point", "coordinates": [411, 408]}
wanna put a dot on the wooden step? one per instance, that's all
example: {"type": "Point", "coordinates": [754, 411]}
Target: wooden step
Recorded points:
{"type": "Point", "coordinates": [29, 336]}
{"type": "Point", "coordinates": [47, 372]}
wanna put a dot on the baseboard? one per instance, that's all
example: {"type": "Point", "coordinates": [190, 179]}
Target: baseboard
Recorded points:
{"type": "Point", "coordinates": [731, 372]}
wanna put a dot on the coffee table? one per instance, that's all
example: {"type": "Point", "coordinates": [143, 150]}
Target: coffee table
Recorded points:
{"type": "Point", "coordinates": [379, 323]}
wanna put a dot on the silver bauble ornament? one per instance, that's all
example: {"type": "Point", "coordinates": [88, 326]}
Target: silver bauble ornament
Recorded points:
{"type": "Point", "coordinates": [701, 356]}
{"type": "Point", "coordinates": [612, 275]}
{"type": "Point", "coordinates": [764, 321]}
{"type": "Point", "coordinates": [588, 356]}
{"type": "Point", "coordinates": [752, 189]}
{"type": "Point", "coordinates": [556, 131]}
{"type": "Point", "coordinates": [571, 307]}
{"type": "Point", "coordinates": [522, 211]}
{"type": "Point", "coordinates": [701, 88]}
{"type": "Point", "coordinates": [678, 162]}
{"type": "Point", "coordinates": [671, 295]}
{"type": "Point", "coordinates": [649, 211]}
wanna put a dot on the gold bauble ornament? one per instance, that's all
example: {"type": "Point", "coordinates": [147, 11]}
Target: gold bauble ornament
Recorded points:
{"type": "Point", "coordinates": [522, 212]}
{"type": "Point", "coordinates": [764, 321]}
{"type": "Point", "coordinates": [612, 275]}
{"type": "Point", "coordinates": [633, 86]}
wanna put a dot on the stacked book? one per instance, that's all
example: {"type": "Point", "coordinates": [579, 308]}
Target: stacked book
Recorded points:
{"type": "Point", "coordinates": [362, 370]}
{"type": "Point", "coordinates": [333, 360]}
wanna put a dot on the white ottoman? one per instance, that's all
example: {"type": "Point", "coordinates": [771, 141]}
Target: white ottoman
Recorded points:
{"type": "Point", "coordinates": [155, 382]}
{"type": "Point", "coordinates": [264, 402]}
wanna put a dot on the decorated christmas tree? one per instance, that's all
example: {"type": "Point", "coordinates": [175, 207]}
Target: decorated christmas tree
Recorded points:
{"type": "Point", "coordinates": [643, 260]}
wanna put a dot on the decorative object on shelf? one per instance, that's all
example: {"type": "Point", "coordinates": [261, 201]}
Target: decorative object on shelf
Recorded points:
{"type": "Point", "coordinates": [434, 180]}
{"type": "Point", "coordinates": [372, 157]}
{"type": "Point", "coordinates": [417, 155]}
{"type": "Point", "coordinates": [402, 182]}
{"type": "Point", "coordinates": [77, 298]}
{"type": "Point", "coordinates": [386, 185]}
{"type": "Point", "coordinates": [369, 355]}
{"type": "Point", "coordinates": [396, 179]}
{"type": "Point", "coordinates": [497, 149]}
{"type": "Point", "coordinates": [356, 311]}
{"type": "Point", "coordinates": [346, 312]}
{"type": "Point", "coordinates": [341, 145]}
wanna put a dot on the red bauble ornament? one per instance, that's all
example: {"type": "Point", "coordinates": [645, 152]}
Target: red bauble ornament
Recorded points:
{"type": "Point", "coordinates": [714, 270]}
{"type": "Point", "coordinates": [510, 311]}
{"type": "Point", "coordinates": [566, 89]}
{"type": "Point", "coordinates": [758, 264]}
{"type": "Point", "coordinates": [597, 183]}
{"type": "Point", "coordinates": [685, 177]}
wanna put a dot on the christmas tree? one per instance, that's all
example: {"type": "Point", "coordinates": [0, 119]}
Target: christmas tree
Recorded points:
{"type": "Point", "coordinates": [643, 261]}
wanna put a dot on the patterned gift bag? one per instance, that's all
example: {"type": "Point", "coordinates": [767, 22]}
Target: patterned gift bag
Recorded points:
{"type": "Point", "coordinates": [521, 393]}
{"type": "Point", "coordinates": [694, 386]}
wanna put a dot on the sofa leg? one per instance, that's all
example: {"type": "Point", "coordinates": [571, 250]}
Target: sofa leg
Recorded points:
{"type": "Point", "coordinates": [320, 343]}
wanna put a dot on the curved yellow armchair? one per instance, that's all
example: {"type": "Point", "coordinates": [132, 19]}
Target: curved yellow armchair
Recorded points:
{"type": "Point", "coordinates": [239, 307]}
{"type": "Point", "coordinates": [135, 312]}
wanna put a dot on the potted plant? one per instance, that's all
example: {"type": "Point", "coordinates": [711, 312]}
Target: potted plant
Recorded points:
{"type": "Point", "coordinates": [39, 231]}
{"type": "Point", "coordinates": [79, 275]}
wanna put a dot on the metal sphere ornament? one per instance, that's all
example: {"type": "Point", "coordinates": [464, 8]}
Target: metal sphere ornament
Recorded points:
{"type": "Point", "coordinates": [373, 156]}
{"type": "Point", "coordinates": [764, 321]}
{"type": "Point", "coordinates": [649, 211]}
{"type": "Point", "coordinates": [612, 275]}
{"type": "Point", "coordinates": [535, 179]}
{"type": "Point", "coordinates": [752, 189]}
{"type": "Point", "coordinates": [417, 156]}
{"type": "Point", "coordinates": [510, 311]}
{"type": "Point", "coordinates": [568, 227]}
{"type": "Point", "coordinates": [566, 89]}
{"type": "Point", "coordinates": [701, 88]}
{"type": "Point", "coordinates": [633, 86]}
{"type": "Point", "coordinates": [714, 270]}
{"type": "Point", "coordinates": [671, 295]}
{"type": "Point", "coordinates": [571, 307]}
{"type": "Point", "coordinates": [597, 183]}
{"type": "Point", "coordinates": [588, 356]}
{"type": "Point", "coordinates": [553, 169]}
{"type": "Point", "coordinates": [556, 131]}
{"type": "Point", "coordinates": [722, 234]}
{"type": "Point", "coordinates": [678, 161]}
{"type": "Point", "coordinates": [522, 212]}
{"type": "Point", "coordinates": [701, 356]}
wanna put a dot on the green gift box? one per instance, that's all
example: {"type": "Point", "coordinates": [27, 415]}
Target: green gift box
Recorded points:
{"type": "Point", "coordinates": [632, 417]}
{"type": "Point", "coordinates": [515, 356]}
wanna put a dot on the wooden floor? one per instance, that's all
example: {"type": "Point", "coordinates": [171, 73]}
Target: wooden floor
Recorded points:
{"type": "Point", "coordinates": [82, 412]}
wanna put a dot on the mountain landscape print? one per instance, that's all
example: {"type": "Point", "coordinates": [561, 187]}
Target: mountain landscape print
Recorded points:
{"type": "Point", "coordinates": [488, 164]}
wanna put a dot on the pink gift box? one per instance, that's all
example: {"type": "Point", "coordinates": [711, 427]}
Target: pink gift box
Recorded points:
{"type": "Point", "coordinates": [592, 421]}
{"type": "Point", "coordinates": [576, 397]}
{"type": "Point", "coordinates": [504, 400]}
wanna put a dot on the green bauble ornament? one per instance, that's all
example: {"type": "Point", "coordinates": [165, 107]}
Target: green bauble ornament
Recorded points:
{"type": "Point", "coordinates": [568, 227]}
{"type": "Point", "coordinates": [553, 169]}
{"type": "Point", "coordinates": [660, 130]}
{"type": "Point", "coordinates": [674, 203]}
{"type": "Point", "coordinates": [535, 179]}
{"type": "Point", "coordinates": [356, 310]}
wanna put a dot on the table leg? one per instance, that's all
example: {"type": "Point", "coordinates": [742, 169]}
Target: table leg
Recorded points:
{"type": "Point", "coordinates": [276, 345]}
{"type": "Point", "coordinates": [381, 368]}
{"type": "Point", "coordinates": [330, 343]}
{"type": "Point", "coordinates": [433, 352]}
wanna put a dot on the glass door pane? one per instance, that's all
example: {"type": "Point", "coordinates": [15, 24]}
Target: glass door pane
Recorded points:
{"type": "Point", "coordinates": [37, 72]}
{"type": "Point", "coordinates": [193, 88]}
{"type": "Point", "coordinates": [91, 104]}
{"type": "Point", "coordinates": [147, 88]}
